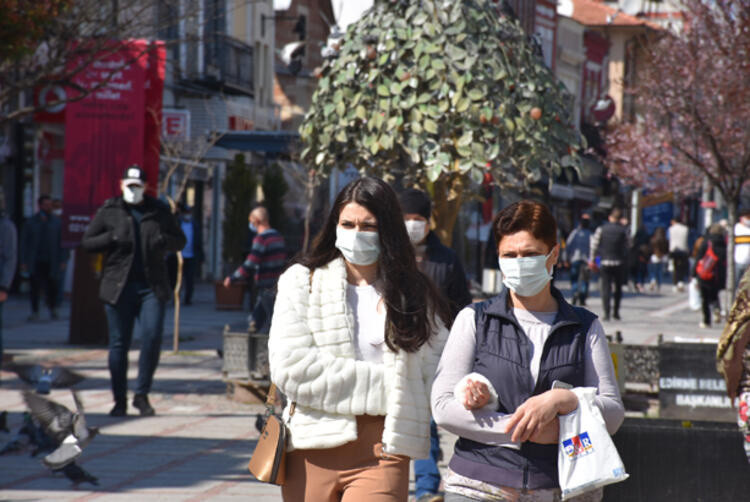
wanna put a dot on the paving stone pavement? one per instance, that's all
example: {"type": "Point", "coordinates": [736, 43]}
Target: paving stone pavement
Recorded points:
{"type": "Point", "coordinates": [198, 444]}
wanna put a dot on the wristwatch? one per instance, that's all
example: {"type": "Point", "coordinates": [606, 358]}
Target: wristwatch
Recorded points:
{"type": "Point", "coordinates": [559, 384]}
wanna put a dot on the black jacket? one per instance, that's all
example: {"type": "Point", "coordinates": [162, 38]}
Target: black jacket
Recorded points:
{"type": "Point", "coordinates": [111, 232]}
{"type": "Point", "coordinates": [33, 239]}
{"type": "Point", "coordinates": [720, 271]}
{"type": "Point", "coordinates": [444, 268]}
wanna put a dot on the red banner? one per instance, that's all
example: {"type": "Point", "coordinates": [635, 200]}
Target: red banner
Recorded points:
{"type": "Point", "coordinates": [107, 130]}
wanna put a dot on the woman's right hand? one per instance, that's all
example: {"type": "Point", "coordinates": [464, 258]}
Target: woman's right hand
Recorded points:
{"type": "Point", "coordinates": [476, 395]}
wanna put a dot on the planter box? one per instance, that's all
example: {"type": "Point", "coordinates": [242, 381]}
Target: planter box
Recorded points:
{"type": "Point", "coordinates": [231, 298]}
{"type": "Point", "coordinates": [245, 355]}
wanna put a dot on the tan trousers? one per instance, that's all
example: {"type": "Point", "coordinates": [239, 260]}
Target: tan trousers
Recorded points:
{"type": "Point", "coordinates": [357, 471]}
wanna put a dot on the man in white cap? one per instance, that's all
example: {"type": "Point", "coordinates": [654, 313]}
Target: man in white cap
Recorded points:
{"type": "Point", "coordinates": [134, 231]}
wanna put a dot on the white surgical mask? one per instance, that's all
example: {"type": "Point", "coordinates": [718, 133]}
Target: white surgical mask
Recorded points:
{"type": "Point", "coordinates": [416, 230]}
{"type": "Point", "coordinates": [359, 248]}
{"type": "Point", "coordinates": [525, 276]}
{"type": "Point", "coordinates": [132, 194]}
{"type": "Point", "coordinates": [57, 212]}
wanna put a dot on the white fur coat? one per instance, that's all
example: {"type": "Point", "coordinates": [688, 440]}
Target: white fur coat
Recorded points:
{"type": "Point", "coordinates": [312, 359]}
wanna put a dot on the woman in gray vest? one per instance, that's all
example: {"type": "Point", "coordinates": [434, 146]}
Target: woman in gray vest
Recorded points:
{"type": "Point", "coordinates": [505, 372]}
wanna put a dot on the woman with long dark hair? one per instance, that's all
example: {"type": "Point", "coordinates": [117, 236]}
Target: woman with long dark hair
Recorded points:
{"type": "Point", "coordinates": [356, 334]}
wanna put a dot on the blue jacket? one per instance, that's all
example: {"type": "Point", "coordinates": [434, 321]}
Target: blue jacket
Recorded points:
{"type": "Point", "coordinates": [503, 355]}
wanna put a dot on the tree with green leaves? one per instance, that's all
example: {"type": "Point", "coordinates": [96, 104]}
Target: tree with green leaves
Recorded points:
{"type": "Point", "coordinates": [440, 93]}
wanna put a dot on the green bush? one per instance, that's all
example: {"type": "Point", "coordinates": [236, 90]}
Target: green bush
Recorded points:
{"type": "Point", "coordinates": [239, 190]}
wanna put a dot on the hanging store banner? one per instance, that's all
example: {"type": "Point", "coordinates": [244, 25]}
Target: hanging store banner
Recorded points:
{"type": "Point", "coordinates": [108, 130]}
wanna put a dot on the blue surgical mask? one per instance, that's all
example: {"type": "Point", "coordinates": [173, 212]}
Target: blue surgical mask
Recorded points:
{"type": "Point", "coordinates": [525, 276]}
{"type": "Point", "coordinates": [359, 248]}
{"type": "Point", "coordinates": [252, 227]}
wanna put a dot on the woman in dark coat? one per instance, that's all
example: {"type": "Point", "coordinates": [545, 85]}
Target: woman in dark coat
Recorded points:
{"type": "Point", "coordinates": [710, 287]}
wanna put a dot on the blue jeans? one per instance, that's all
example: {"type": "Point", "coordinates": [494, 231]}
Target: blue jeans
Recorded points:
{"type": "Point", "coordinates": [136, 301]}
{"type": "Point", "coordinates": [263, 309]}
{"type": "Point", "coordinates": [579, 284]}
{"type": "Point", "coordinates": [656, 272]}
{"type": "Point", "coordinates": [426, 473]}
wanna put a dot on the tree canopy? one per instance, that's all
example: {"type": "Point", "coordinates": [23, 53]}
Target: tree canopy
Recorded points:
{"type": "Point", "coordinates": [692, 103]}
{"type": "Point", "coordinates": [440, 92]}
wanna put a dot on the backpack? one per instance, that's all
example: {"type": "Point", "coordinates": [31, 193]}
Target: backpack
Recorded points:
{"type": "Point", "coordinates": [706, 267]}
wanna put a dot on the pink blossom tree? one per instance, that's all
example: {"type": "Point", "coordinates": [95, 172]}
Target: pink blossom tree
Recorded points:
{"type": "Point", "coordinates": [692, 101]}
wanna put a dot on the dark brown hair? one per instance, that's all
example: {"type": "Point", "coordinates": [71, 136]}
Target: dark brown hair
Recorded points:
{"type": "Point", "coordinates": [410, 297]}
{"type": "Point", "coordinates": [533, 217]}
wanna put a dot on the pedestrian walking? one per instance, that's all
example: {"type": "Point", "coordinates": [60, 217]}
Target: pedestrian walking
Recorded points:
{"type": "Point", "coordinates": [503, 377]}
{"type": "Point", "coordinates": [192, 253]}
{"type": "Point", "coordinates": [356, 335]}
{"type": "Point", "coordinates": [135, 232]}
{"type": "Point", "coordinates": [577, 253]}
{"type": "Point", "coordinates": [742, 245]}
{"type": "Point", "coordinates": [43, 258]}
{"type": "Point", "coordinates": [711, 271]}
{"type": "Point", "coordinates": [679, 252]}
{"type": "Point", "coordinates": [638, 257]}
{"type": "Point", "coordinates": [611, 242]}
{"type": "Point", "coordinates": [265, 262]}
{"type": "Point", "coordinates": [8, 261]}
{"type": "Point", "coordinates": [733, 358]}
{"type": "Point", "coordinates": [659, 255]}
{"type": "Point", "coordinates": [442, 266]}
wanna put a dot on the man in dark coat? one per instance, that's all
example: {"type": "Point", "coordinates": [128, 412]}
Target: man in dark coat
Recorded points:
{"type": "Point", "coordinates": [42, 256]}
{"type": "Point", "coordinates": [8, 260]}
{"type": "Point", "coordinates": [611, 242]}
{"type": "Point", "coordinates": [135, 232]}
{"type": "Point", "coordinates": [441, 264]}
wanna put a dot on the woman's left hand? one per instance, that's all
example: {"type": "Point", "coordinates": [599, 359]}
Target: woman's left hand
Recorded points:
{"type": "Point", "coordinates": [537, 412]}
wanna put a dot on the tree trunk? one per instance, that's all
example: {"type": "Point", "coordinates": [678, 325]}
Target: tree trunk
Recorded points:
{"type": "Point", "coordinates": [731, 286]}
{"type": "Point", "coordinates": [177, 286]}
{"type": "Point", "coordinates": [310, 194]}
{"type": "Point", "coordinates": [447, 196]}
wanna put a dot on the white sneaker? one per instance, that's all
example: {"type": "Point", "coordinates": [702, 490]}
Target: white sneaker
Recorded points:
{"type": "Point", "coordinates": [680, 286]}
{"type": "Point", "coordinates": [703, 325]}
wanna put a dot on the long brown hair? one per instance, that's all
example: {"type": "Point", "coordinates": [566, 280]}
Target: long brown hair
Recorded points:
{"type": "Point", "coordinates": [410, 297]}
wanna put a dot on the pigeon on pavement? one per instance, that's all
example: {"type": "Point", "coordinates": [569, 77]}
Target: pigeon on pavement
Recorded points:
{"type": "Point", "coordinates": [45, 378]}
{"type": "Point", "coordinates": [77, 474]}
{"type": "Point", "coordinates": [68, 429]}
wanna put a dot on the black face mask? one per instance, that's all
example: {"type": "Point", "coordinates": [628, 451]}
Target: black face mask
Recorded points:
{"type": "Point", "coordinates": [585, 224]}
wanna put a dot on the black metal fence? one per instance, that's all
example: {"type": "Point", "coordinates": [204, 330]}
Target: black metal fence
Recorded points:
{"type": "Point", "coordinates": [672, 460]}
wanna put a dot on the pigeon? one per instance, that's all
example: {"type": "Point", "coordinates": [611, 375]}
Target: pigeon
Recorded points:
{"type": "Point", "coordinates": [45, 378]}
{"type": "Point", "coordinates": [291, 51]}
{"type": "Point", "coordinates": [68, 429]}
{"type": "Point", "coordinates": [77, 474]}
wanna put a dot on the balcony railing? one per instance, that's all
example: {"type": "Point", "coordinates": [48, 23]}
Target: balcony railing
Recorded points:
{"type": "Point", "coordinates": [227, 63]}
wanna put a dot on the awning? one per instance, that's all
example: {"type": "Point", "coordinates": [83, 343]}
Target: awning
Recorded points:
{"type": "Point", "coordinates": [259, 141]}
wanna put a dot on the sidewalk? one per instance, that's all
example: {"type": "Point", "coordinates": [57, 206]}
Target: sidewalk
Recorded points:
{"type": "Point", "coordinates": [197, 446]}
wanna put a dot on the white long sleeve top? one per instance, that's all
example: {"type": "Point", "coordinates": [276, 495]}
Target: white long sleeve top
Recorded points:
{"type": "Point", "coordinates": [486, 425]}
{"type": "Point", "coordinates": [313, 361]}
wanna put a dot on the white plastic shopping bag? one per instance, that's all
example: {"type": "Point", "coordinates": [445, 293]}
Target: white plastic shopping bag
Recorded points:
{"type": "Point", "coordinates": [694, 294]}
{"type": "Point", "coordinates": [587, 457]}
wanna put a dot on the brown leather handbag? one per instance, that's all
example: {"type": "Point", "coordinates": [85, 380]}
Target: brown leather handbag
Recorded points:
{"type": "Point", "coordinates": [268, 461]}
